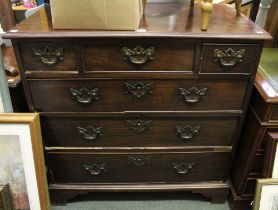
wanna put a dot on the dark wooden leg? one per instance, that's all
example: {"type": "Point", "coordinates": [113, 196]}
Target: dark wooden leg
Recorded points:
{"type": "Point", "coordinates": [217, 195]}
{"type": "Point", "coordinates": [237, 202]}
{"type": "Point", "coordinates": [191, 4]}
{"type": "Point", "coordinates": [254, 9]}
{"type": "Point", "coordinates": [60, 197]}
{"type": "Point", "coordinates": [220, 197]}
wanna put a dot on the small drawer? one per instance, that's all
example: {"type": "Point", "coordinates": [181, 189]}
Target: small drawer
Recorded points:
{"type": "Point", "coordinates": [225, 58]}
{"type": "Point", "coordinates": [138, 167]}
{"type": "Point", "coordinates": [139, 55]}
{"type": "Point", "coordinates": [50, 56]}
{"type": "Point", "coordinates": [90, 131]}
{"type": "Point", "coordinates": [136, 95]}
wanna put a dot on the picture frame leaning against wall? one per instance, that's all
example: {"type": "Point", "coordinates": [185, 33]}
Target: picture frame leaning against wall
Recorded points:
{"type": "Point", "coordinates": [266, 196]}
{"type": "Point", "coordinates": [22, 160]}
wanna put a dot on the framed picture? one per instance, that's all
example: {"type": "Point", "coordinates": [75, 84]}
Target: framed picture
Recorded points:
{"type": "Point", "coordinates": [22, 161]}
{"type": "Point", "coordinates": [270, 165]}
{"type": "Point", "coordinates": [266, 196]}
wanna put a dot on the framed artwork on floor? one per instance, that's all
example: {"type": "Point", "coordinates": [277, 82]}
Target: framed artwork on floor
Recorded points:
{"type": "Point", "coordinates": [266, 196]}
{"type": "Point", "coordinates": [270, 165]}
{"type": "Point", "coordinates": [22, 161]}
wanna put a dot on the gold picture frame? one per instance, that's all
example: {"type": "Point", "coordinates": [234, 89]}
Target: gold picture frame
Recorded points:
{"type": "Point", "coordinates": [20, 134]}
{"type": "Point", "coordinates": [266, 194]}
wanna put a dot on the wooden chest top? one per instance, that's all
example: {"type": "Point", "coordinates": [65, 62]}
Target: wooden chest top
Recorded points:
{"type": "Point", "coordinates": [176, 20]}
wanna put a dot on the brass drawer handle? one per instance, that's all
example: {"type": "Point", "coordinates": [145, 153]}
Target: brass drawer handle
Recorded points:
{"type": "Point", "coordinates": [188, 132]}
{"type": "Point", "coordinates": [229, 57]}
{"type": "Point", "coordinates": [193, 95]}
{"type": "Point", "coordinates": [48, 55]}
{"type": "Point", "coordinates": [10, 71]}
{"type": "Point", "coordinates": [139, 126]}
{"type": "Point", "coordinates": [183, 168]}
{"type": "Point", "coordinates": [90, 132]}
{"type": "Point", "coordinates": [138, 89]}
{"type": "Point", "coordinates": [140, 160]}
{"type": "Point", "coordinates": [84, 95]}
{"type": "Point", "coordinates": [95, 168]}
{"type": "Point", "coordinates": [138, 55]}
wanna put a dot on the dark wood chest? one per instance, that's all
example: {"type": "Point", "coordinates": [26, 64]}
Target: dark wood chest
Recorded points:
{"type": "Point", "coordinates": [252, 157]}
{"type": "Point", "coordinates": [159, 109]}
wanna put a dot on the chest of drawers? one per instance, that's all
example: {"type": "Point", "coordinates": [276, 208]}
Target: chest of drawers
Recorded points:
{"type": "Point", "coordinates": [159, 109]}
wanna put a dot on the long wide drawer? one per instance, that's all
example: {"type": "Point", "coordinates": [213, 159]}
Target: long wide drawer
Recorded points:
{"type": "Point", "coordinates": [139, 55]}
{"type": "Point", "coordinates": [133, 167]}
{"type": "Point", "coordinates": [90, 131]}
{"type": "Point", "coordinates": [136, 95]}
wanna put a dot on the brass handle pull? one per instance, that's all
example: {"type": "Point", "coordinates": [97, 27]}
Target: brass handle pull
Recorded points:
{"type": "Point", "coordinates": [48, 55]}
{"type": "Point", "coordinates": [90, 132]}
{"type": "Point", "coordinates": [139, 126]}
{"type": "Point", "coordinates": [229, 57]}
{"type": "Point", "coordinates": [183, 168]}
{"type": "Point", "coordinates": [11, 72]}
{"type": "Point", "coordinates": [188, 132]}
{"type": "Point", "coordinates": [193, 95]}
{"type": "Point", "coordinates": [84, 95]}
{"type": "Point", "coordinates": [95, 168]}
{"type": "Point", "coordinates": [138, 55]}
{"type": "Point", "coordinates": [139, 160]}
{"type": "Point", "coordinates": [138, 89]}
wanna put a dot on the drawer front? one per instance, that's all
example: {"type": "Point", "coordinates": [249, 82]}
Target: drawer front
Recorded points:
{"type": "Point", "coordinates": [250, 187]}
{"type": "Point", "coordinates": [48, 56]}
{"type": "Point", "coordinates": [137, 132]}
{"type": "Point", "coordinates": [218, 58]}
{"type": "Point", "coordinates": [123, 168]}
{"type": "Point", "coordinates": [136, 95]}
{"type": "Point", "coordinates": [274, 113]}
{"type": "Point", "coordinates": [139, 55]}
{"type": "Point", "coordinates": [258, 164]}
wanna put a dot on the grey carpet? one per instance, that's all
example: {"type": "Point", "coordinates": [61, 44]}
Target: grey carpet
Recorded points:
{"type": "Point", "coordinates": [143, 201]}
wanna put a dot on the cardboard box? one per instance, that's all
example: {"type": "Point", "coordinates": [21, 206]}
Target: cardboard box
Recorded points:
{"type": "Point", "coordinates": [96, 14]}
